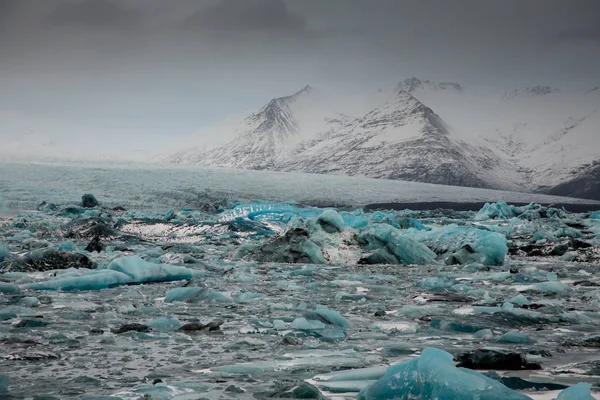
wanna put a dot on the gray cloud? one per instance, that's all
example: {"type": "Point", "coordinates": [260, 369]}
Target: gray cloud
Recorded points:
{"type": "Point", "coordinates": [169, 67]}
{"type": "Point", "coordinates": [93, 13]}
{"type": "Point", "coordinates": [243, 15]}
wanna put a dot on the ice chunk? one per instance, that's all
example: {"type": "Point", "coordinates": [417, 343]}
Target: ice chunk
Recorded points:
{"type": "Point", "coordinates": [4, 253]}
{"type": "Point", "coordinates": [164, 324]}
{"type": "Point", "coordinates": [31, 302]}
{"type": "Point", "coordinates": [331, 221]}
{"type": "Point", "coordinates": [595, 215]}
{"type": "Point", "coordinates": [9, 288]}
{"type": "Point", "coordinates": [520, 300]}
{"type": "Point", "coordinates": [194, 295]}
{"type": "Point", "coordinates": [515, 338]}
{"type": "Point", "coordinates": [581, 391]}
{"type": "Point", "coordinates": [141, 271]}
{"type": "Point", "coordinates": [92, 280]}
{"type": "Point", "coordinates": [404, 248]}
{"type": "Point", "coordinates": [433, 375]}
{"type": "Point", "coordinates": [499, 210]}
{"type": "Point", "coordinates": [492, 247]}
{"type": "Point", "coordinates": [328, 316]}
{"type": "Point", "coordinates": [302, 324]}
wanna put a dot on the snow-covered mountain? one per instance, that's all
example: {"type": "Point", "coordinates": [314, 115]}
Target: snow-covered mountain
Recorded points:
{"type": "Point", "coordinates": [530, 139]}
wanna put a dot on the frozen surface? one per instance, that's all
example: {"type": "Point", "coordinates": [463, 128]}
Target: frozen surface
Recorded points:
{"type": "Point", "coordinates": [24, 186]}
{"type": "Point", "coordinates": [434, 376]}
{"type": "Point", "coordinates": [227, 298]}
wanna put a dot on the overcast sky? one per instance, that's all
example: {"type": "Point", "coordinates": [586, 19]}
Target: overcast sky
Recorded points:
{"type": "Point", "coordinates": [157, 69]}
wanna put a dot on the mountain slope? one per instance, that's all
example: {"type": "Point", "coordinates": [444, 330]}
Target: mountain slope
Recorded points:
{"type": "Point", "coordinates": [403, 139]}
{"type": "Point", "coordinates": [525, 139]}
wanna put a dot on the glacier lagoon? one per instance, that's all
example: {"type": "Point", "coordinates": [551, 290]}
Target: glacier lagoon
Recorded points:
{"type": "Point", "coordinates": [182, 284]}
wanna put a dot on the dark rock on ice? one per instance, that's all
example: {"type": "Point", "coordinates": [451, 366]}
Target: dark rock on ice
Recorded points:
{"type": "Point", "coordinates": [196, 326]}
{"type": "Point", "coordinates": [95, 245]}
{"type": "Point", "coordinates": [96, 331]}
{"type": "Point", "coordinates": [593, 342]}
{"type": "Point", "coordinates": [89, 201]}
{"type": "Point", "coordinates": [234, 389]}
{"type": "Point", "coordinates": [135, 327]}
{"type": "Point", "coordinates": [586, 283]}
{"type": "Point", "coordinates": [33, 356]}
{"type": "Point", "coordinates": [119, 209]}
{"type": "Point", "coordinates": [292, 390]}
{"type": "Point", "coordinates": [292, 341]}
{"type": "Point", "coordinates": [30, 323]}
{"type": "Point", "coordinates": [492, 359]}
{"type": "Point", "coordinates": [90, 228]}
{"type": "Point", "coordinates": [294, 246]}
{"type": "Point", "coordinates": [380, 313]}
{"type": "Point", "coordinates": [19, 342]}
{"type": "Point", "coordinates": [46, 260]}
{"type": "Point", "coordinates": [157, 381]}
{"type": "Point", "coordinates": [47, 207]}
{"type": "Point", "coordinates": [559, 250]}
{"type": "Point", "coordinates": [516, 383]}
{"type": "Point", "coordinates": [380, 257]}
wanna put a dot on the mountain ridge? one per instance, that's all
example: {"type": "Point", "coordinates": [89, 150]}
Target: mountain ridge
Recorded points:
{"type": "Point", "coordinates": [527, 139]}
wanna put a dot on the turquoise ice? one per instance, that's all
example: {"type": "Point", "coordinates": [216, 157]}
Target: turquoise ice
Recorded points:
{"type": "Point", "coordinates": [433, 375]}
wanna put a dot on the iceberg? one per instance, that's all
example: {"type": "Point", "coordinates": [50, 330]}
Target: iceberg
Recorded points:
{"type": "Point", "coordinates": [92, 280]}
{"type": "Point", "coordinates": [331, 221]}
{"type": "Point", "coordinates": [327, 316]}
{"type": "Point", "coordinates": [4, 253]}
{"type": "Point", "coordinates": [141, 271]}
{"type": "Point", "coordinates": [581, 391]}
{"type": "Point", "coordinates": [433, 375]}
{"type": "Point", "coordinates": [194, 295]}
{"type": "Point", "coordinates": [405, 249]}
{"type": "Point", "coordinates": [9, 288]}
{"type": "Point", "coordinates": [491, 247]}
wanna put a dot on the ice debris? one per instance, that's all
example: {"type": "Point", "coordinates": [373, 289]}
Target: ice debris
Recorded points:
{"type": "Point", "coordinates": [195, 295]}
{"type": "Point", "coordinates": [491, 248]}
{"type": "Point", "coordinates": [4, 253]}
{"type": "Point", "coordinates": [91, 280]}
{"type": "Point", "coordinates": [141, 271]}
{"type": "Point", "coordinates": [581, 391]}
{"type": "Point", "coordinates": [433, 375]}
{"type": "Point", "coordinates": [405, 249]}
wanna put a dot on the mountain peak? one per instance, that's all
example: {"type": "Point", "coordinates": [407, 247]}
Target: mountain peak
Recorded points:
{"type": "Point", "coordinates": [413, 84]}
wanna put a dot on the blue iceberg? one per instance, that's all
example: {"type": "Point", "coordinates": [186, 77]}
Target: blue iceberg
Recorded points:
{"type": "Point", "coordinates": [141, 271]}
{"type": "Point", "coordinates": [491, 247]}
{"type": "Point", "coordinates": [405, 249]}
{"type": "Point", "coordinates": [581, 391]}
{"type": "Point", "coordinates": [194, 295]}
{"type": "Point", "coordinates": [331, 221]}
{"type": "Point", "coordinates": [433, 375]}
{"type": "Point", "coordinates": [92, 280]}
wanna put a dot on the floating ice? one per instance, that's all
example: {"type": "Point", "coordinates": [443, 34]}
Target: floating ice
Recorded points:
{"type": "Point", "coordinates": [404, 248]}
{"type": "Point", "coordinates": [515, 338]}
{"type": "Point", "coordinates": [4, 253]}
{"type": "Point", "coordinates": [492, 247]}
{"type": "Point", "coordinates": [581, 391]}
{"type": "Point", "coordinates": [164, 324]}
{"type": "Point", "coordinates": [141, 271]}
{"type": "Point", "coordinates": [194, 295]}
{"type": "Point", "coordinates": [433, 375]}
{"type": "Point", "coordinates": [331, 221]}
{"type": "Point", "coordinates": [92, 280]}
{"type": "Point", "coordinates": [328, 316]}
{"type": "Point", "coordinates": [9, 288]}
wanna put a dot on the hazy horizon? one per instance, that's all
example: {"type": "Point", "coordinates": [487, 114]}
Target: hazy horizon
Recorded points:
{"type": "Point", "coordinates": [139, 74]}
